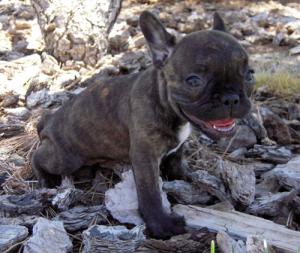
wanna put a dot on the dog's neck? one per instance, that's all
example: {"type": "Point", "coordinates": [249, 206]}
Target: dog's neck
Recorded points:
{"type": "Point", "coordinates": [164, 99]}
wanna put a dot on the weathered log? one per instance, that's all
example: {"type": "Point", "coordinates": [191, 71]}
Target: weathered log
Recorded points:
{"type": "Point", "coordinates": [76, 30]}
{"type": "Point", "coordinates": [240, 225]}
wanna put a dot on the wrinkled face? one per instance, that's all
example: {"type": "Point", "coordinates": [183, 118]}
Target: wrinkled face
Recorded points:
{"type": "Point", "coordinates": [207, 76]}
{"type": "Point", "coordinates": [208, 81]}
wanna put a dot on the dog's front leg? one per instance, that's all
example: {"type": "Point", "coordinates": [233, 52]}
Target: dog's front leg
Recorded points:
{"type": "Point", "coordinates": [146, 172]}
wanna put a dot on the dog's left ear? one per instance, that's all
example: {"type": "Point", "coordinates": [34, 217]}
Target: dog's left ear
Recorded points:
{"type": "Point", "coordinates": [219, 23]}
{"type": "Point", "coordinates": [161, 43]}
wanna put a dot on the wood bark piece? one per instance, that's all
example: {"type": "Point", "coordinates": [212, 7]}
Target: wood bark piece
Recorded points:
{"type": "Point", "coordinates": [49, 237]}
{"type": "Point", "coordinates": [9, 130]}
{"type": "Point", "coordinates": [240, 225]}
{"type": "Point", "coordinates": [186, 193]}
{"type": "Point", "coordinates": [187, 243]}
{"type": "Point", "coordinates": [255, 244]}
{"type": "Point", "coordinates": [22, 220]}
{"type": "Point", "coordinates": [76, 30]}
{"type": "Point", "coordinates": [287, 175]}
{"type": "Point", "coordinates": [14, 205]}
{"type": "Point", "coordinates": [210, 183]}
{"type": "Point", "coordinates": [11, 234]}
{"type": "Point", "coordinates": [226, 244]}
{"type": "Point", "coordinates": [112, 239]}
{"type": "Point", "coordinates": [66, 195]}
{"type": "Point", "coordinates": [271, 204]}
{"type": "Point", "coordinates": [240, 181]}
{"type": "Point", "coordinates": [81, 217]}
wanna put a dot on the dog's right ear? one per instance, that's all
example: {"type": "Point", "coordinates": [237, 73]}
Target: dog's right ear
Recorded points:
{"type": "Point", "coordinates": [160, 42]}
{"type": "Point", "coordinates": [219, 23]}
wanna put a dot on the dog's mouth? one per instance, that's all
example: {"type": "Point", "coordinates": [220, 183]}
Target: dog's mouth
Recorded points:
{"type": "Point", "coordinates": [213, 128]}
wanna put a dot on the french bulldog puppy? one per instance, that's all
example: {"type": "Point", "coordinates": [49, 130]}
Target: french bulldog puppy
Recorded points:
{"type": "Point", "coordinates": [201, 82]}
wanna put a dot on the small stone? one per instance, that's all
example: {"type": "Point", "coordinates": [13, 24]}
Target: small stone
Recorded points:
{"type": "Point", "coordinates": [244, 138]}
{"type": "Point", "coordinates": [295, 50]}
{"type": "Point", "coordinates": [276, 128]}
{"type": "Point", "coordinates": [294, 111]}
{"type": "Point", "coordinates": [238, 153]}
{"type": "Point", "coordinates": [133, 20]}
{"type": "Point", "coordinates": [48, 236]}
{"type": "Point", "coordinates": [19, 112]}
{"type": "Point", "coordinates": [10, 235]}
{"type": "Point", "coordinates": [22, 24]}
{"type": "Point", "coordinates": [119, 38]}
{"type": "Point", "coordinates": [9, 99]}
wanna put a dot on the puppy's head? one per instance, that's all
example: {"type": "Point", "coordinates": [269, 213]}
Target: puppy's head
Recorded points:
{"type": "Point", "coordinates": [208, 79]}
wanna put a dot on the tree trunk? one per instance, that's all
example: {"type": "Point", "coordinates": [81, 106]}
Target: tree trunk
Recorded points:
{"type": "Point", "coordinates": [76, 30]}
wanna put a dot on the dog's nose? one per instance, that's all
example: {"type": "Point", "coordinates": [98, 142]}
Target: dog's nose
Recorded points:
{"type": "Point", "coordinates": [230, 100]}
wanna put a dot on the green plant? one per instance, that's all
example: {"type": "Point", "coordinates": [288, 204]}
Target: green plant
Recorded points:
{"type": "Point", "coordinates": [280, 83]}
{"type": "Point", "coordinates": [212, 247]}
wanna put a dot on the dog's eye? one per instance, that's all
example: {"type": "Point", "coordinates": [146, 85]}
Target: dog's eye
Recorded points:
{"type": "Point", "coordinates": [194, 80]}
{"type": "Point", "coordinates": [249, 78]}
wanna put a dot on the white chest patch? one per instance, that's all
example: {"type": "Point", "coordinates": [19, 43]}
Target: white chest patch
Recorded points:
{"type": "Point", "coordinates": [182, 135]}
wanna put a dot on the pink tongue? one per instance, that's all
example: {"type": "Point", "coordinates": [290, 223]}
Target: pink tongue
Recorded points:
{"type": "Point", "coordinates": [222, 123]}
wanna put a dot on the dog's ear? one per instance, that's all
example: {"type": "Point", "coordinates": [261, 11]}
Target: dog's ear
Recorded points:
{"type": "Point", "coordinates": [160, 42]}
{"type": "Point", "coordinates": [219, 23]}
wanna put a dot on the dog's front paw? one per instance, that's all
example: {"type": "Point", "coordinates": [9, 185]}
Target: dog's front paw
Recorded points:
{"type": "Point", "coordinates": [166, 226]}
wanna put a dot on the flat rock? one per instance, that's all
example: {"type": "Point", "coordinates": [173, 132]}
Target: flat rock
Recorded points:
{"type": "Point", "coordinates": [113, 239]}
{"type": "Point", "coordinates": [122, 201]}
{"type": "Point", "coordinates": [14, 74]}
{"type": "Point", "coordinates": [11, 234]}
{"type": "Point", "coordinates": [81, 217]}
{"type": "Point", "coordinates": [48, 237]}
{"type": "Point", "coordinates": [46, 98]}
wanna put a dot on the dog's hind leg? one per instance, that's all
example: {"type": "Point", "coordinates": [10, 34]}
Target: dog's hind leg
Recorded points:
{"type": "Point", "coordinates": [46, 180]}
